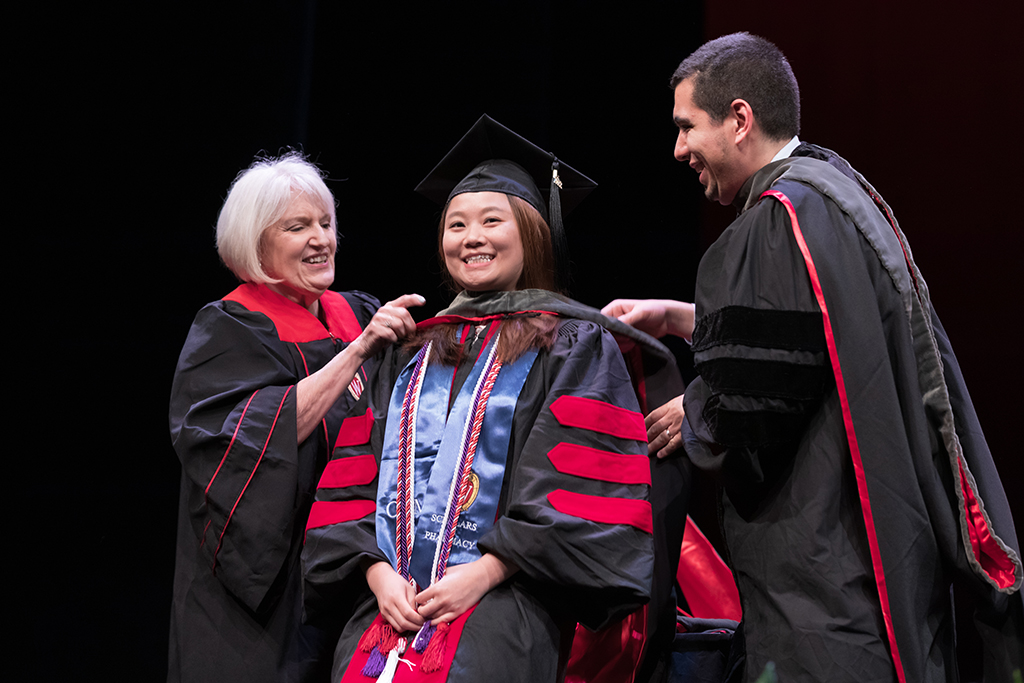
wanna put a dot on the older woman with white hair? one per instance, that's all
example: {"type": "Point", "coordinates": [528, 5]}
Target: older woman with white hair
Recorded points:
{"type": "Point", "coordinates": [270, 382]}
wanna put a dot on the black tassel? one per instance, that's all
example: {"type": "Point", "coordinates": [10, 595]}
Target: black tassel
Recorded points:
{"type": "Point", "coordinates": [559, 244]}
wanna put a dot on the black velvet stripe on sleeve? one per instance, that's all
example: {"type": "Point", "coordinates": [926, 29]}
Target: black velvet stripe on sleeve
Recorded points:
{"type": "Point", "coordinates": [791, 330]}
{"type": "Point", "coordinates": [763, 378]}
{"type": "Point", "coordinates": [753, 428]}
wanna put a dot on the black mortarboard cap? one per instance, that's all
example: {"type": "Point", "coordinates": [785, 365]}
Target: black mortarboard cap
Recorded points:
{"type": "Point", "coordinates": [492, 158]}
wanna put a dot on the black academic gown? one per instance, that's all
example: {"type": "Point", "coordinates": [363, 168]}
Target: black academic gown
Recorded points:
{"type": "Point", "coordinates": [856, 476]}
{"type": "Point", "coordinates": [572, 568]}
{"type": "Point", "coordinates": [247, 485]}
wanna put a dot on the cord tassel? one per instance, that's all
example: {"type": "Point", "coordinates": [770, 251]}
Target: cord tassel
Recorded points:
{"type": "Point", "coordinates": [394, 657]}
{"type": "Point", "coordinates": [375, 664]}
{"type": "Point", "coordinates": [419, 643]}
{"type": "Point", "coordinates": [377, 640]}
{"type": "Point", "coordinates": [390, 639]}
{"type": "Point", "coordinates": [433, 658]}
{"type": "Point", "coordinates": [371, 637]}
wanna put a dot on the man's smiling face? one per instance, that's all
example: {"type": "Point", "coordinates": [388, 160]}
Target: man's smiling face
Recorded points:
{"type": "Point", "coordinates": [706, 146]}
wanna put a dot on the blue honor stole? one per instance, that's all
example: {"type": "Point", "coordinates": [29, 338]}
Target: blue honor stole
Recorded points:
{"type": "Point", "coordinates": [439, 441]}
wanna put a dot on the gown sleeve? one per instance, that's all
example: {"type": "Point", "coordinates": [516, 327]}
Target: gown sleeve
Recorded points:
{"type": "Point", "coordinates": [576, 517]}
{"type": "Point", "coordinates": [341, 539]}
{"type": "Point", "coordinates": [759, 347]}
{"type": "Point", "coordinates": [233, 425]}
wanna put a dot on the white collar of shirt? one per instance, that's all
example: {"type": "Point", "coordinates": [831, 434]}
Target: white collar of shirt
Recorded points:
{"type": "Point", "coordinates": [788, 149]}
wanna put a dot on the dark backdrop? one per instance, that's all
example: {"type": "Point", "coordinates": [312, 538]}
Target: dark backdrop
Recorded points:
{"type": "Point", "coordinates": [143, 120]}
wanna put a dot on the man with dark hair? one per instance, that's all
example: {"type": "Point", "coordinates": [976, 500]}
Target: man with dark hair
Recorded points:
{"type": "Point", "coordinates": [857, 484]}
{"type": "Point", "coordinates": [742, 66]}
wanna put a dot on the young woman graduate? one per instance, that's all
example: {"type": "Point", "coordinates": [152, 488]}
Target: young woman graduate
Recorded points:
{"type": "Point", "coordinates": [511, 498]}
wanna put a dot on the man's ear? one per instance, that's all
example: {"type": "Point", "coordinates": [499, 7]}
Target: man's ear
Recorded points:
{"type": "Point", "coordinates": [742, 118]}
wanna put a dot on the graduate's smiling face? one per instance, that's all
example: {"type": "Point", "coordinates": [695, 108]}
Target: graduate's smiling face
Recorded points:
{"type": "Point", "coordinates": [482, 248]}
{"type": "Point", "coordinates": [706, 147]}
{"type": "Point", "coordinates": [299, 250]}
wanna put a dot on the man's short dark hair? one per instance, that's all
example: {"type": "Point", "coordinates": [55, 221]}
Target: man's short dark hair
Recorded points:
{"type": "Point", "coordinates": [742, 66]}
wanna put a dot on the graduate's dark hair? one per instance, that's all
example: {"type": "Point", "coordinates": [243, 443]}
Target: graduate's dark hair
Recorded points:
{"type": "Point", "coordinates": [519, 333]}
{"type": "Point", "coordinates": [742, 66]}
{"type": "Point", "coordinates": [538, 252]}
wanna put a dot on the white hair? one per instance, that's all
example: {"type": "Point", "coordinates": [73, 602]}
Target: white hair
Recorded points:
{"type": "Point", "coordinates": [258, 198]}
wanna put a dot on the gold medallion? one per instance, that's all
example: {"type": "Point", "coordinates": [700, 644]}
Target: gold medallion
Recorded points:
{"type": "Point", "coordinates": [474, 490]}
